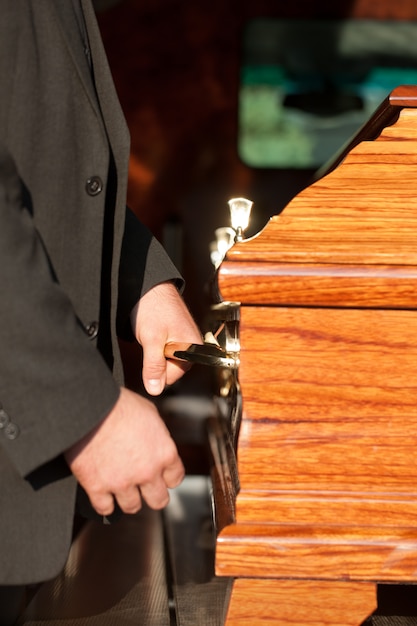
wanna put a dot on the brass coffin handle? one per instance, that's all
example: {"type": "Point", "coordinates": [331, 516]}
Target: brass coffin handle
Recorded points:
{"type": "Point", "coordinates": [204, 354]}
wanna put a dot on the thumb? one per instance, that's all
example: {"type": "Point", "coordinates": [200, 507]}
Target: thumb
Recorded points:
{"type": "Point", "coordinates": [154, 368]}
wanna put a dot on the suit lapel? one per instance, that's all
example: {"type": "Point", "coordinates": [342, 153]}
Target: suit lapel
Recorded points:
{"type": "Point", "coordinates": [109, 102]}
{"type": "Point", "coordinates": [71, 32]}
{"type": "Point", "coordinates": [110, 107]}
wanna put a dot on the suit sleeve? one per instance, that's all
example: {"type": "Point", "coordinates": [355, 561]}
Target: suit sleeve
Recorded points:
{"type": "Point", "coordinates": [144, 263]}
{"type": "Point", "coordinates": [54, 385]}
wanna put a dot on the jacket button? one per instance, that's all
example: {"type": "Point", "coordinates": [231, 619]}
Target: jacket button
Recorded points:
{"type": "Point", "coordinates": [11, 431]}
{"type": "Point", "coordinates": [94, 185]}
{"type": "Point", "coordinates": [92, 329]}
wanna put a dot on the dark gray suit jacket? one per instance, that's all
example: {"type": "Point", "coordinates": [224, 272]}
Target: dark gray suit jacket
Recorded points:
{"type": "Point", "coordinates": [68, 264]}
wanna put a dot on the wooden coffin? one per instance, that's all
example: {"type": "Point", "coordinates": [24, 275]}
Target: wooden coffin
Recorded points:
{"type": "Point", "coordinates": [326, 501]}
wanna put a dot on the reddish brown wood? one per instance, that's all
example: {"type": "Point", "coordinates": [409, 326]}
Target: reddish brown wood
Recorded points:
{"type": "Point", "coordinates": [305, 285]}
{"type": "Point", "coordinates": [326, 452]}
{"type": "Point", "coordinates": [298, 603]}
{"type": "Point", "coordinates": [325, 390]}
{"type": "Point", "coordinates": [317, 552]}
{"type": "Point", "coordinates": [404, 95]}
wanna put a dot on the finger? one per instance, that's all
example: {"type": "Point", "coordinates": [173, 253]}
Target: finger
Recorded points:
{"type": "Point", "coordinates": [155, 494]}
{"type": "Point", "coordinates": [129, 500]}
{"type": "Point", "coordinates": [174, 474]}
{"type": "Point", "coordinates": [102, 503]}
{"type": "Point", "coordinates": [176, 369]}
{"type": "Point", "coordinates": [154, 368]}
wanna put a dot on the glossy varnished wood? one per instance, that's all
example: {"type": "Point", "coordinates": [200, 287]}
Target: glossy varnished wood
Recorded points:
{"type": "Point", "coordinates": [327, 438]}
{"type": "Point", "coordinates": [328, 375]}
{"type": "Point", "coordinates": [298, 603]}
{"type": "Point", "coordinates": [315, 285]}
{"type": "Point", "coordinates": [318, 552]}
{"type": "Point", "coordinates": [325, 390]}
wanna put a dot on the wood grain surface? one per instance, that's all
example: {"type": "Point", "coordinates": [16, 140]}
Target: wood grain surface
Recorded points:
{"type": "Point", "coordinates": [329, 399]}
{"type": "Point", "coordinates": [297, 603]}
{"type": "Point", "coordinates": [326, 452]}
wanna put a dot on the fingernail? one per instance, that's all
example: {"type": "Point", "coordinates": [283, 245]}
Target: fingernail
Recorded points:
{"type": "Point", "coordinates": [154, 384]}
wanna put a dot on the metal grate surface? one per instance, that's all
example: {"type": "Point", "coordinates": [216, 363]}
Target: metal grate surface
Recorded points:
{"type": "Point", "coordinates": [115, 576]}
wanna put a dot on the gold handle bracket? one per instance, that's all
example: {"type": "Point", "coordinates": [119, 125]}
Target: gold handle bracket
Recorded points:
{"type": "Point", "coordinates": [203, 354]}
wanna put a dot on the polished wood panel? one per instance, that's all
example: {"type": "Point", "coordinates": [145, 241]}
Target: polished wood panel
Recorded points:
{"type": "Point", "coordinates": [316, 551]}
{"type": "Point", "coordinates": [305, 285]}
{"type": "Point", "coordinates": [298, 603]}
{"type": "Point", "coordinates": [328, 376]}
{"type": "Point", "coordinates": [325, 389]}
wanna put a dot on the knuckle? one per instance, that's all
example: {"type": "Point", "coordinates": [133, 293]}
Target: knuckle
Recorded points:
{"type": "Point", "coordinates": [131, 508]}
{"type": "Point", "coordinates": [161, 503]}
{"type": "Point", "coordinates": [155, 368]}
{"type": "Point", "coordinates": [171, 458]}
{"type": "Point", "coordinates": [102, 506]}
{"type": "Point", "coordinates": [175, 480]}
{"type": "Point", "coordinates": [148, 475]}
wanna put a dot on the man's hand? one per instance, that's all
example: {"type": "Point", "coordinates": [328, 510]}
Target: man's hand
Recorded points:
{"type": "Point", "coordinates": [129, 456]}
{"type": "Point", "coordinates": [161, 316]}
